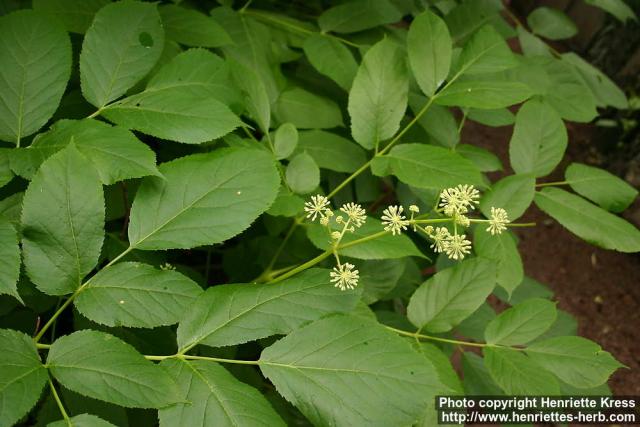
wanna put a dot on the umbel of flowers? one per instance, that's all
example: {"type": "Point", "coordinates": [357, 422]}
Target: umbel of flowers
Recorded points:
{"type": "Point", "coordinates": [454, 206]}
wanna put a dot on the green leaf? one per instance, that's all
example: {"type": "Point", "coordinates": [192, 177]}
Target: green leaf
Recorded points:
{"type": "Point", "coordinates": [137, 295]}
{"type": "Point", "coordinates": [6, 175]}
{"type": "Point", "coordinates": [521, 323]}
{"type": "Point", "coordinates": [192, 28]}
{"type": "Point", "coordinates": [384, 247]}
{"type": "Point", "coordinates": [513, 193]}
{"type": "Point", "coordinates": [485, 52]}
{"type": "Point", "coordinates": [331, 151]}
{"type": "Point", "coordinates": [62, 222]}
{"type": "Point", "coordinates": [75, 15]}
{"type": "Point", "coordinates": [606, 92]}
{"type": "Point", "coordinates": [82, 420]}
{"type": "Point", "coordinates": [114, 152]}
{"type": "Point", "coordinates": [378, 97]}
{"type": "Point", "coordinates": [529, 288]}
{"type": "Point", "coordinates": [484, 160]}
{"type": "Point", "coordinates": [494, 118]}
{"type": "Point", "coordinates": [539, 139]}
{"type": "Point", "coordinates": [9, 259]}
{"type": "Point", "coordinates": [104, 367]}
{"type": "Point", "coordinates": [427, 166]}
{"type": "Point", "coordinates": [252, 46]}
{"type": "Point", "coordinates": [467, 17]}
{"type": "Point", "coordinates": [120, 48]}
{"type": "Point", "coordinates": [203, 199]}
{"type": "Point", "coordinates": [216, 398]}
{"type": "Point", "coordinates": [200, 73]}
{"type": "Point", "coordinates": [600, 186]}
{"type": "Point", "coordinates": [429, 49]}
{"type": "Point", "coordinates": [551, 23]}
{"type": "Point", "coordinates": [358, 15]}
{"type": "Point", "coordinates": [340, 370]}
{"type": "Point", "coordinates": [532, 45]}
{"type": "Point", "coordinates": [331, 58]}
{"type": "Point", "coordinates": [174, 114]}
{"type": "Point", "coordinates": [503, 250]}
{"type": "Point", "coordinates": [560, 85]}
{"type": "Point", "coordinates": [588, 221]}
{"type": "Point", "coordinates": [442, 363]}
{"type": "Point", "coordinates": [451, 295]}
{"type": "Point", "coordinates": [379, 277]}
{"type": "Point", "coordinates": [483, 94]}
{"type": "Point", "coordinates": [286, 204]}
{"type": "Point", "coordinates": [617, 8]}
{"type": "Point", "coordinates": [306, 110]}
{"type": "Point", "coordinates": [303, 174]}
{"type": "Point", "coordinates": [517, 374]}
{"type": "Point", "coordinates": [285, 141]}
{"type": "Point", "coordinates": [575, 360]}
{"type": "Point", "coordinates": [22, 376]}
{"type": "Point", "coordinates": [254, 92]}
{"type": "Point", "coordinates": [35, 54]}
{"type": "Point", "coordinates": [477, 380]}
{"type": "Point", "coordinates": [233, 314]}
{"type": "Point", "coordinates": [438, 122]}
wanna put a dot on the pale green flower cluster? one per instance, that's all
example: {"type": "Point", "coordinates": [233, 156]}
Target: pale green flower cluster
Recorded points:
{"type": "Point", "coordinates": [454, 203]}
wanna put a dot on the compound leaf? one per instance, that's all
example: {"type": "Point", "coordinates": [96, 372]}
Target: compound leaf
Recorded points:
{"type": "Point", "coordinates": [378, 97]}
{"type": "Point", "coordinates": [600, 186]}
{"type": "Point", "coordinates": [35, 54]}
{"type": "Point", "coordinates": [589, 222]}
{"type": "Point", "coordinates": [503, 250]}
{"type": "Point", "coordinates": [121, 46]}
{"type": "Point", "coordinates": [517, 374]}
{"type": "Point", "coordinates": [22, 376]}
{"type": "Point", "coordinates": [104, 367]}
{"type": "Point", "coordinates": [551, 23]}
{"type": "Point", "coordinates": [539, 139]}
{"type": "Point", "coordinates": [75, 15]}
{"type": "Point", "coordinates": [521, 323]}
{"type": "Point", "coordinates": [233, 314]}
{"type": "Point", "coordinates": [331, 58]}
{"type": "Point", "coordinates": [192, 28]}
{"type": "Point", "coordinates": [137, 295]}
{"type": "Point", "coordinates": [216, 398]}
{"type": "Point", "coordinates": [175, 114]}
{"type": "Point", "coordinates": [575, 360]}
{"type": "Point", "coordinates": [114, 152]}
{"type": "Point", "coordinates": [203, 199]}
{"type": "Point", "coordinates": [303, 174]}
{"type": "Point", "coordinates": [317, 366]}
{"type": "Point", "coordinates": [358, 15]}
{"type": "Point", "coordinates": [9, 259]}
{"type": "Point", "coordinates": [62, 222]}
{"type": "Point", "coordinates": [513, 193]}
{"type": "Point", "coordinates": [429, 48]}
{"type": "Point", "coordinates": [451, 295]}
{"type": "Point", "coordinates": [427, 166]}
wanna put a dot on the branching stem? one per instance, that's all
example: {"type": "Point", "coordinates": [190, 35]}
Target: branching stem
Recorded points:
{"type": "Point", "coordinates": [59, 402]}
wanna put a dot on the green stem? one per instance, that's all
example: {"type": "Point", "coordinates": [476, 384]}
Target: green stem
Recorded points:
{"type": "Point", "coordinates": [362, 240]}
{"type": "Point", "coordinates": [43, 346]}
{"type": "Point", "coordinates": [74, 295]}
{"type": "Point", "coordinates": [210, 359]}
{"type": "Point", "coordinates": [302, 267]}
{"type": "Point", "coordinates": [289, 25]}
{"type": "Point", "coordinates": [95, 113]}
{"type": "Point", "coordinates": [549, 184]}
{"type": "Point", "coordinates": [59, 402]}
{"type": "Point", "coordinates": [522, 224]}
{"type": "Point", "coordinates": [449, 341]}
{"type": "Point", "coordinates": [284, 242]}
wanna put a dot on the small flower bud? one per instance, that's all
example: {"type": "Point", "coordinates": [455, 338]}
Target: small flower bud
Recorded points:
{"type": "Point", "coordinates": [414, 208]}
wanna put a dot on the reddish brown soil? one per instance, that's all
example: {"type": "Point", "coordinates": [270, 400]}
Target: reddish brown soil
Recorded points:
{"type": "Point", "coordinates": [600, 288]}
